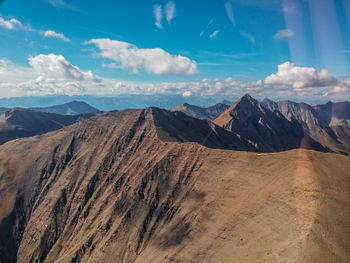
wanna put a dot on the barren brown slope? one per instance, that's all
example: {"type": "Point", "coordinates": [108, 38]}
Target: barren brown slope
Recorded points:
{"type": "Point", "coordinates": [115, 189]}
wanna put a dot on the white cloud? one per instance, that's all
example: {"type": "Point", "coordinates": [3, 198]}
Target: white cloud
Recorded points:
{"type": "Point", "coordinates": [187, 94]}
{"type": "Point", "coordinates": [229, 12]}
{"type": "Point", "coordinates": [158, 16]}
{"type": "Point", "coordinates": [47, 74]}
{"type": "Point", "coordinates": [215, 34]}
{"type": "Point", "coordinates": [247, 36]}
{"type": "Point", "coordinates": [170, 11]}
{"type": "Point", "coordinates": [110, 65]}
{"type": "Point", "coordinates": [206, 27]}
{"type": "Point", "coordinates": [53, 74]}
{"type": "Point", "coordinates": [57, 67]}
{"type": "Point", "coordinates": [285, 33]}
{"type": "Point", "coordinates": [53, 34]}
{"type": "Point", "coordinates": [11, 24]}
{"type": "Point", "coordinates": [62, 4]}
{"type": "Point", "coordinates": [300, 77]}
{"type": "Point", "coordinates": [152, 60]}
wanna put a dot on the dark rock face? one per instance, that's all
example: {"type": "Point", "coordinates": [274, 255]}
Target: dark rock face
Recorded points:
{"type": "Point", "coordinates": [327, 123]}
{"type": "Point", "coordinates": [18, 123]}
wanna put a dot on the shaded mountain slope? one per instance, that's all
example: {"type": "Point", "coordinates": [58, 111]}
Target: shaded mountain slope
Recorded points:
{"type": "Point", "coordinates": [326, 123]}
{"type": "Point", "coordinates": [335, 113]}
{"type": "Point", "coordinates": [209, 113]}
{"type": "Point", "coordinates": [119, 188]}
{"type": "Point", "coordinates": [301, 112]}
{"type": "Point", "coordinates": [268, 131]}
{"type": "Point", "coordinates": [17, 123]}
{"type": "Point", "coordinates": [70, 108]}
{"type": "Point", "coordinates": [3, 110]}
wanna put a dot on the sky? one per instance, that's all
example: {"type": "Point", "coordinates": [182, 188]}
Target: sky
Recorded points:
{"type": "Point", "coordinates": [219, 48]}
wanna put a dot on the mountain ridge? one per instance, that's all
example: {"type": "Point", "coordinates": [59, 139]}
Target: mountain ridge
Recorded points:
{"type": "Point", "coordinates": [120, 188]}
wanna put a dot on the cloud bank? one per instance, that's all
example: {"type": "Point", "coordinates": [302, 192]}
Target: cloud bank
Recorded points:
{"type": "Point", "coordinates": [53, 74]}
{"type": "Point", "coordinates": [47, 74]}
{"type": "Point", "coordinates": [152, 60]}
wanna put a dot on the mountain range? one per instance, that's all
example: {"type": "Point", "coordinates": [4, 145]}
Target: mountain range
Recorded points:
{"type": "Point", "coordinates": [69, 108]}
{"type": "Point", "coordinates": [277, 126]}
{"type": "Point", "coordinates": [108, 103]}
{"type": "Point", "coordinates": [152, 185]}
{"type": "Point", "coordinates": [326, 123]}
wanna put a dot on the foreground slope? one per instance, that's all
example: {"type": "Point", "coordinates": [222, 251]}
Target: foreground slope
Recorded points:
{"type": "Point", "coordinates": [122, 187]}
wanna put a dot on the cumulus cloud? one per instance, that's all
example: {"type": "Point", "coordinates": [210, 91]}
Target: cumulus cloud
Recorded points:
{"type": "Point", "coordinates": [306, 82]}
{"type": "Point", "coordinates": [215, 34]}
{"type": "Point", "coordinates": [47, 74]}
{"type": "Point", "coordinates": [158, 16]}
{"type": "Point", "coordinates": [53, 34]}
{"type": "Point", "coordinates": [57, 67]}
{"type": "Point", "coordinates": [300, 77]}
{"type": "Point", "coordinates": [11, 24]}
{"type": "Point", "coordinates": [285, 33]}
{"type": "Point", "coordinates": [170, 11]}
{"type": "Point", "coordinates": [152, 60]}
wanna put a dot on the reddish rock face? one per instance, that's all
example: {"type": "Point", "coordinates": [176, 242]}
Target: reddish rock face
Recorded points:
{"type": "Point", "coordinates": [269, 131]}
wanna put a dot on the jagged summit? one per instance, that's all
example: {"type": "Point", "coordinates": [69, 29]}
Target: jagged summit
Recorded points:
{"type": "Point", "coordinates": [267, 130]}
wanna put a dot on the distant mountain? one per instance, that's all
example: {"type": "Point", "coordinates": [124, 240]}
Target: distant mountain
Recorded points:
{"type": "Point", "coordinates": [17, 123]}
{"type": "Point", "coordinates": [3, 110]}
{"type": "Point", "coordinates": [269, 131]}
{"type": "Point", "coordinates": [70, 108]}
{"type": "Point", "coordinates": [210, 113]}
{"type": "Point", "coordinates": [227, 102]}
{"type": "Point", "coordinates": [335, 113]}
{"type": "Point", "coordinates": [141, 186]}
{"type": "Point", "coordinates": [329, 114]}
{"type": "Point", "coordinates": [108, 103]}
{"type": "Point", "coordinates": [329, 123]}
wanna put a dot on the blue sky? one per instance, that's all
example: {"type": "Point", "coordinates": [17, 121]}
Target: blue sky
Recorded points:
{"type": "Point", "coordinates": [244, 40]}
